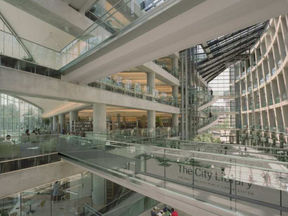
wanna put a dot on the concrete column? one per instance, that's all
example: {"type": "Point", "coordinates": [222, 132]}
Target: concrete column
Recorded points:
{"type": "Point", "coordinates": [62, 122]}
{"type": "Point", "coordinates": [151, 81]}
{"type": "Point", "coordinates": [175, 63]}
{"type": "Point", "coordinates": [99, 117]}
{"type": "Point", "coordinates": [175, 121]}
{"type": "Point", "coordinates": [151, 120]}
{"type": "Point", "coordinates": [55, 123]}
{"type": "Point", "coordinates": [73, 116]}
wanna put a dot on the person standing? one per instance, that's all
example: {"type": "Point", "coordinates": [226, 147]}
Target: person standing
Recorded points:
{"type": "Point", "coordinates": [153, 212]}
{"type": "Point", "coordinates": [55, 192]}
{"type": "Point", "coordinates": [174, 213]}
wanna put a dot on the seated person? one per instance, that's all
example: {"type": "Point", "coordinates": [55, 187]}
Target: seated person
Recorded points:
{"type": "Point", "coordinates": [27, 132]}
{"type": "Point", "coordinates": [34, 132]}
{"type": "Point", "coordinates": [8, 140]}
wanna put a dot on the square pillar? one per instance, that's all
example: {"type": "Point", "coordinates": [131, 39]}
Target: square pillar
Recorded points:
{"type": "Point", "coordinates": [151, 120]}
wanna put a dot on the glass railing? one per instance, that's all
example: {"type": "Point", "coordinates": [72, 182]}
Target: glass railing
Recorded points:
{"type": "Point", "coordinates": [249, 70]}
{"type": "Point", "coordinates": [267, 77]}
{"type": "Point", "coordinates": [264, 104]}
{"type": "Point", "coordinates": [244, 108]}
{"type": "Point", "coordinates": [238, 77]}
{"type": "Point", "coordinates": [251, 107]}
{"type": "Point", "coordinates": [27, 146]}
{"type": "Point", "coordinates": [215, 109]}
{"type": "Point", "coordinates": [137, 134]}
{"type": "Point", "coordinates": [249, 88]}
{"type": "Point", "coordinates": [88, 40]}
{"type": "Point", "coordinates": [64, 197]}
{"type": "Point", "coordinates": [172, 70]}
{"type": "Point", "coordinates": [259, 58]}
{"type": "Point", "coordinates": [273, 71]}
{"type": "Point", "coordinates": [254, 64]}
{"type": "Point", "coordinates": [279, 63]}
{"type": "Point", "coordinates": [220, 175]}
{"type": "Point", "coordinates": [257, 106]}
{"type": "Point", "coordinates": [255, 85]}
{"type": "Point", "coordinates": [134, 89]}
{"type": "Point", "coordinates": [278, 99]}
{"type": "Point", "coordinates": [284, 96]}
{"type": "Point", "coordinates": [262, 81]}
{"type": "Point", "coordinates": [270, 102]}
{"type": "Point", "coordinates": [206, 122]}
{"type": "Point", "coordinates": [27, 66]}
{"type": "Point", "coordinates": [243, 74]}
{"type": "Point", "coordinates": [278, 129]}
{"type": "Point", "coordinates": [244, 91]}
{"type": "Point", "coordinates": [99, 12]}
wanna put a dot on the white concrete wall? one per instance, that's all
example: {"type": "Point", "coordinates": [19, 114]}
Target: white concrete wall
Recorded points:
{"type": "Point", "coordinates": [160, 73]}
{"type": "Point", "coordinates": [24, 83]}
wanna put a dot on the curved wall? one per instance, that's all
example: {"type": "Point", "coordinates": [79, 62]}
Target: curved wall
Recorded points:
{"type": "Point", "coordinates": [17, 115]}
{"type": "Point", "coordinates": [263, 79]}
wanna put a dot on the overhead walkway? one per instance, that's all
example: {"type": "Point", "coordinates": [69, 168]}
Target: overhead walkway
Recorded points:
{"type": "Point", "coordinates": [135, 48]}
{"type": "Point", "coordinates": [199, 182]}
{"type": "Point", "coordinates": [33, 85]}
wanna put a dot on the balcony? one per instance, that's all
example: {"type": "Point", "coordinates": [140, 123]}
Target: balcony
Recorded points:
{"type": "Point", "coordinates": [257, 106]}
{"type": "Point", "coordinates": [255, 85]}
{"type": "Point", "coordinates": [284, 96]}
{"type": "Point", "coordinates": [267, 77]}
{"type": "Point", "coordinates": [278, 99]}
{"type": "Point", "coordinates": [273, 71]}
{"type": "Point", "coordinates": [249, 70]}
{"type": "Point", "coordinates": [251, 107]}
{"type": "Point", "coordinates": [264, 104]}
{"type": "Point", "coordinates": [259, 58]}
{"type": "Point", "coordinates": [262, 81]}
{"type": "Point", "coordinates": [237, 78]}
{"type": "Point", "coordinates": [164, 65]}
{"type": "Point", "coordinates": [249, 88]}
{"type": "Point", "coordinates": [244, 91]}
{"type": "Point", "coordinates": [279, 63]}
{"type": "Point", "coordinates": [243, 74]}
{"type": "Point", "coordinates": [270, 102]}
{"type": "Point", "coordinates": [244, 108]}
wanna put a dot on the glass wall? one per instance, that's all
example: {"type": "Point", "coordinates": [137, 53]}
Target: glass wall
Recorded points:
{"type": "Point", "coordinates": [72, 193]}
{"type": "Point", "coordinates": [16, 116]}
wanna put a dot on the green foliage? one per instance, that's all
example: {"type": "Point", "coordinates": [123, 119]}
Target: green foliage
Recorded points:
{"type": "Point", "coordinates": [206, 137]}
{"type": "Point", "coordinates": [46, 121]}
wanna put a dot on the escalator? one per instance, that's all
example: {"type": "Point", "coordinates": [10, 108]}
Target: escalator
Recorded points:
{"type": "Point", "coordinates": [199, 181]}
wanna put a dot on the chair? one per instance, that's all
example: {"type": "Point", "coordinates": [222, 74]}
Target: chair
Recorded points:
{"type": "Point", "coordinates": [33, 138]}
{"type": "Point", "coordinates": [5, 150]}
{"type": "Point", "coordinates": [24, 138]}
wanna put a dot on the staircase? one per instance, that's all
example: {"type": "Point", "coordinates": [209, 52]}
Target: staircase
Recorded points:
{"type": "Point", "coordinates": [209, 103]}
{"type": "Point", "coordinates": [125, 194]}
{"type": "Point", "coordinates": [210, 123]}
